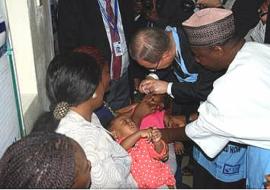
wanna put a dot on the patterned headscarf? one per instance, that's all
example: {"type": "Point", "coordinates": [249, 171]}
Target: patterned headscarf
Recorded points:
{"type": "Point", "coordinates": [209, 27]}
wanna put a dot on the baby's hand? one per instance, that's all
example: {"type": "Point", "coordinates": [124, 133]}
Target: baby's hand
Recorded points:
{"type": "Point", "coordinates": [156, 135]}
{"type": "Point", "coordinates": [146, 133]}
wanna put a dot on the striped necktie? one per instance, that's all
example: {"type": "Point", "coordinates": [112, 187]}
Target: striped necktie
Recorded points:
{"type": "Point", "coordinates": [116, 60]}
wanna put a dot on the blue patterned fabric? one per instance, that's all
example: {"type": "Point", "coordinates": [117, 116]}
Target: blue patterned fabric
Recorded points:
{"type": "Point", "coordinates": [228, 166]}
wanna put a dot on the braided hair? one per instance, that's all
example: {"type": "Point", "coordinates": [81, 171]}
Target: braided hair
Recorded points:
{"type": "Point", "coordinates": [40, 160]}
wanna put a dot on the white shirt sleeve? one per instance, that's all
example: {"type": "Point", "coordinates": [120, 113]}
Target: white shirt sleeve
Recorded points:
{"type": "Point", "coordinates": [209, 142]}
{"type": "Point", "coordinates": [169, 89]}
{"type": "Point", "coordinates": [153, 75]}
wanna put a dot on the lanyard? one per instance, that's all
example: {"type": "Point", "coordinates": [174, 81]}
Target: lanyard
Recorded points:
{"type": "Point", "coordinates": [108, 18]}
{"type": "Point", "coordinates": [191, 77]}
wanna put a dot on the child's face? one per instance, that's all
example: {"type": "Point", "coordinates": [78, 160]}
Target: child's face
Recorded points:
{"type": "Point", "coordinates": [82, 169]}
{"type": "Point", "coordinates": [124, 126]}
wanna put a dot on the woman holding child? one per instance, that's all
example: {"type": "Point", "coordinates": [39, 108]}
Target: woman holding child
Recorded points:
{"type": "Point", "coordinates": [76, 84]}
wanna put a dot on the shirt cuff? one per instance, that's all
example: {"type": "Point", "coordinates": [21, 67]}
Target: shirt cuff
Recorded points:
{"type": "Point", "coordinates": [153, 75]}
{"type": "Point", "coordinates": [169, 89]}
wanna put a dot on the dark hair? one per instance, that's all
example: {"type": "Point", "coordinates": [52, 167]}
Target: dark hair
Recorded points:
{"type": "Point", "coordinates": [149, 44]}
{"type": "Point", "coordinates": [45, 123]}
{"type": "Point", "coordinates": [40, 160]}
{"type": "Point", "coordinates": [71, 78]}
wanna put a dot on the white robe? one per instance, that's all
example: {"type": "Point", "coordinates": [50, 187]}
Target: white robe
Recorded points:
{"type": "Point", "coordinates": [238, 108]}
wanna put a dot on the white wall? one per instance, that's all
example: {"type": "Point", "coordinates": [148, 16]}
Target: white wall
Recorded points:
{"type": "Point", "coordinates": [32, 41]}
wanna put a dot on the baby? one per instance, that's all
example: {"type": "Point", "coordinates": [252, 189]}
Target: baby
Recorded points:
{"type": "Point", "coordinates": [147, 151]}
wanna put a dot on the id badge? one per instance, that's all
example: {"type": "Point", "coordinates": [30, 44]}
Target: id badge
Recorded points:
{"type": "Point", "coordinates": [117, 48]}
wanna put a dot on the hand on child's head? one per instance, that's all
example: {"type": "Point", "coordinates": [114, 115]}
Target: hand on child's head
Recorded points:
{"type": "Point", "coordinates": [156, 135]}
{"type": "Point", "coordinates": [145, 107]}
{"type": "Point", "coordinates": [155, 102]}
{"type": "Point", "coordinates": [176, 121]}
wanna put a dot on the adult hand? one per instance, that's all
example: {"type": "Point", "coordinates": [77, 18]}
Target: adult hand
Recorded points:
{"type": "Point", "coordinates": [153, 86]}
{"type": "Point", "coordinates": [209, 3]}
{"type": "Point", "coordinates": [179, 148]}
{"type": "Point", "coordinates": [145, 107]}
{"type": "Point", "coordinates": [176, 121]}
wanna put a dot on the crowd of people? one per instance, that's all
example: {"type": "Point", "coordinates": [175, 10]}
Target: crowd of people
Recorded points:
{"type": "Point", "coordinates": [202, 73]}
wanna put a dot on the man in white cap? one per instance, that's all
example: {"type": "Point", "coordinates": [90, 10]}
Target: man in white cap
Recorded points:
{"type": "Point", "coordinates": [238, 108]}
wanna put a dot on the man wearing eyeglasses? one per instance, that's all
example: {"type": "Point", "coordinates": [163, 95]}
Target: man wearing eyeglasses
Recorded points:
{"type": "Point", "coordinates": [182, 78]}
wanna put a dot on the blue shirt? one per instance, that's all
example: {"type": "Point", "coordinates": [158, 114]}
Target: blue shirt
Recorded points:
{"type": "Point", "coordinates": [228, 166]}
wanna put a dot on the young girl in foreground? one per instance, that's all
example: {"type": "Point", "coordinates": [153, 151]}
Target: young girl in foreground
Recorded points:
{"type": "Point", "coordinates": [147, 151]}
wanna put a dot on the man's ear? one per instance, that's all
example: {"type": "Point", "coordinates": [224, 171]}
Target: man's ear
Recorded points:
{"type": "Point", "coordinates": [166, 55]}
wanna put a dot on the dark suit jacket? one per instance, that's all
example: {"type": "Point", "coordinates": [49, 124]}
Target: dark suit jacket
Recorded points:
{"type": "Point", "coordinates": [80, 23]}
{"type": "Point", "coordinates": [171, 12]}
{"type": "Point", "coordinates": [199, 90]}
{"type": "Point", "coordinates": [246, 15]}
{"type": "Point", "coordinates": [186, 92]}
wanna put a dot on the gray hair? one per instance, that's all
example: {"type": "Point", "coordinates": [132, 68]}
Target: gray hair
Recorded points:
{"type": "Point", "coordinates": [149, 44]}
